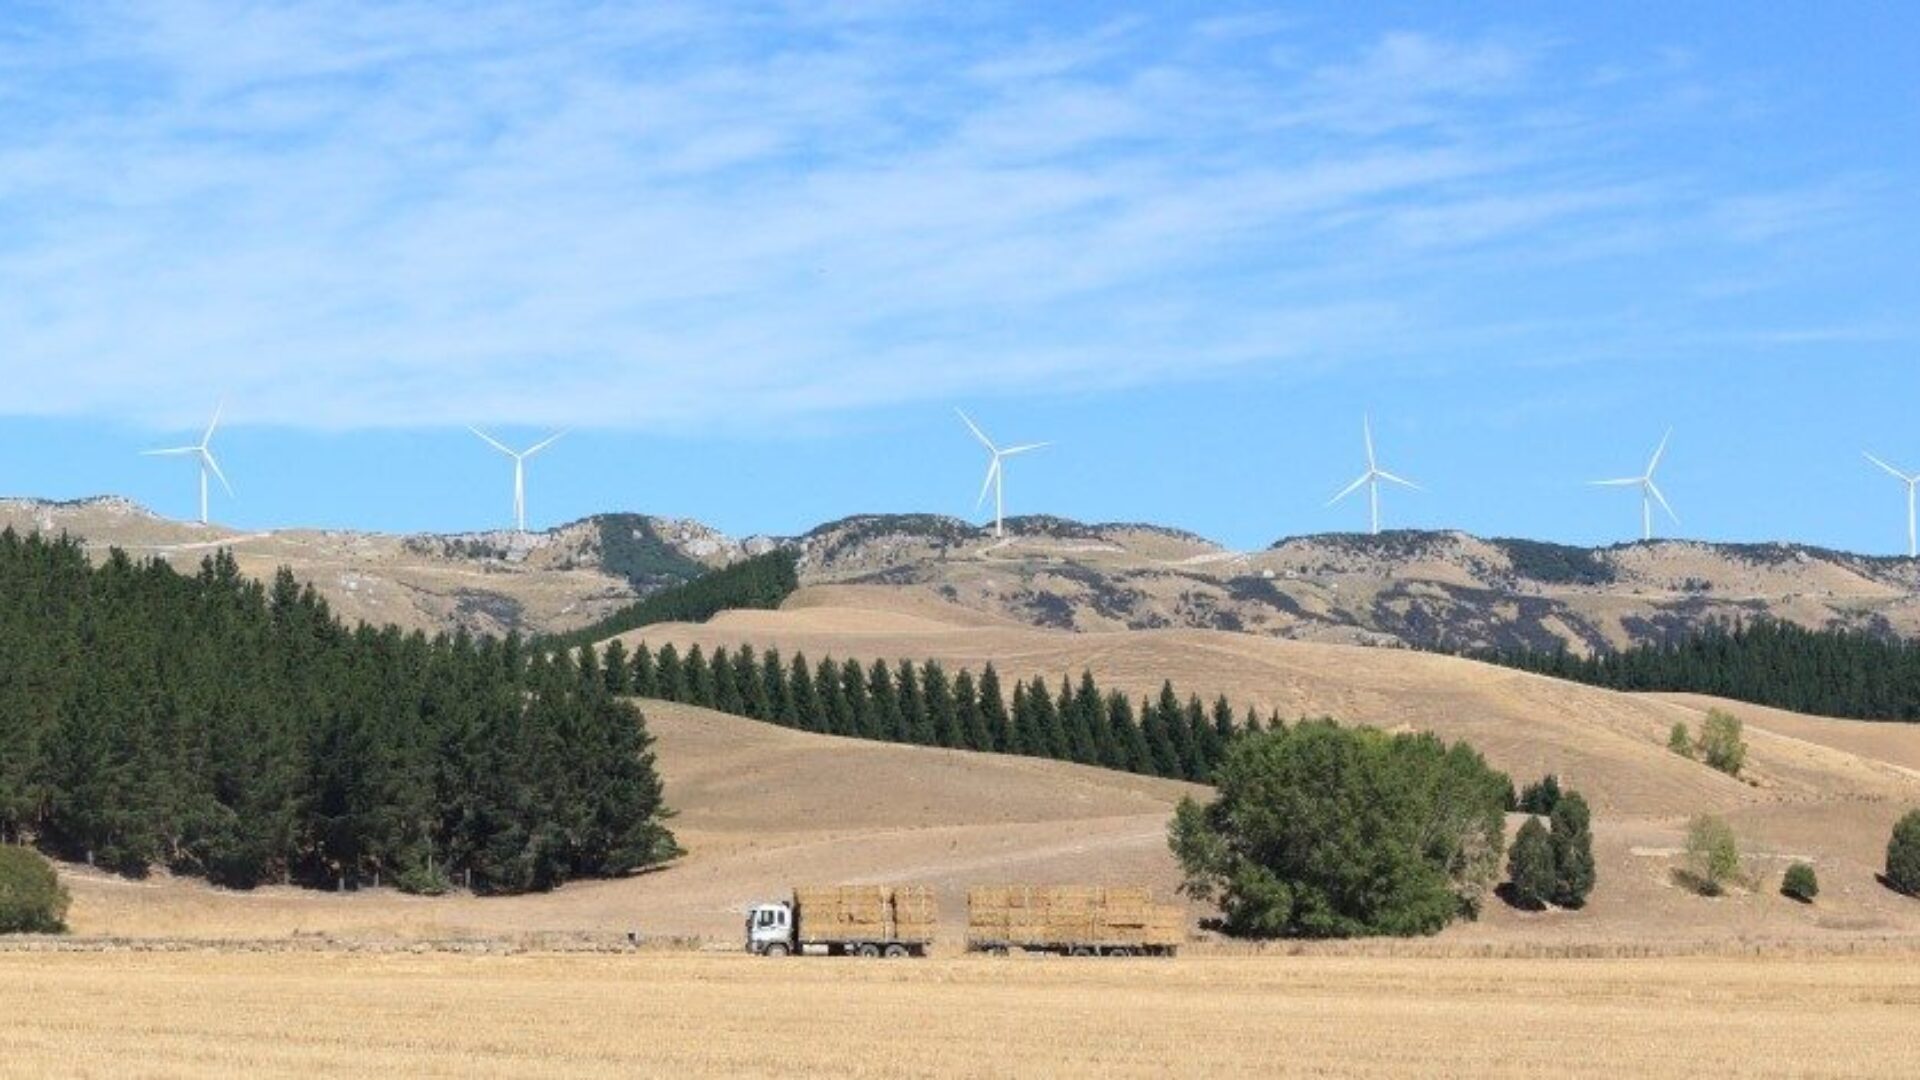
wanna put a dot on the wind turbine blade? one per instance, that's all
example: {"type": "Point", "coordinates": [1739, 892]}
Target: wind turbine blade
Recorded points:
{"type": "Point", "coordinates": [542, 445]}
{"type": "Point", "coordinates": [1629, 481]}
{"type": "Point", "coordinates": [207, 456]}
{"type": "Point", "coordinates": [491, 441]}
{"type": "Point", "coordinates": [1351, 488]}
{"type": "Point", "coordinates": [170, 451]}
{"type": "Point", "coordinates": [1662, 499]}
{"type": "Point", "coordinates": [217, 410]}
{"type": "Point", "coordinates": [1659, 453]}
{"type": "Point", "coordinates": [1012, 450]}
{"type": "Point", "coordinates": [1403, 482]}
{"type": "Point", "coordinates": [1889, 468]}
{"type": "Point", "coordinates": [977, 433]}
{"type": "Point", "coordinates": [1366, 428]}
{"type": "Point", "coordinates": [986, 485]}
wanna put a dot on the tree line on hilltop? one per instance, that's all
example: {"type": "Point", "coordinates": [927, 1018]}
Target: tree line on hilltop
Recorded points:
{"type": "Point", "coordinates": [1832, 672]}
{"type": "Point", "coordinates": [923, 704]}
{"type": "Point", "coordinates": [760, 582]}
{"type": "Point", "coordinates": [238, 731]}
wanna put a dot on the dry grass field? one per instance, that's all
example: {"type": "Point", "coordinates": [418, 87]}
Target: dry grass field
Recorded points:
{"type": "Point", "coordinates": [202, 1014]}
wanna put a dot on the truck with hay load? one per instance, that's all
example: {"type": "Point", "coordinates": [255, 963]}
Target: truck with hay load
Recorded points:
{"type": "Point", "coordinates": [845, 920]}
{"type": "Point", "coordinates": [1071, 921]}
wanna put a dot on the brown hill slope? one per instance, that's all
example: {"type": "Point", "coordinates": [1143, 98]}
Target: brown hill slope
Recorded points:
{"type": "Point", "coordinates": [1611, 745]}
{"type": "Point", "coordinates": [1828, 794]}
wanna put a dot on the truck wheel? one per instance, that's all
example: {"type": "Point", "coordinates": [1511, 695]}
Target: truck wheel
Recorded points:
{"type": "Point", "coordinates": [869, 950]}
{"type": "Point", "coordinates": [1119, 950]}
{"type": "Point", "coordinates": [775, 949]}
{"type": "Point", "coordinates": [1079, 950]}
{"type": "Point", "coordinates": [896, 951]}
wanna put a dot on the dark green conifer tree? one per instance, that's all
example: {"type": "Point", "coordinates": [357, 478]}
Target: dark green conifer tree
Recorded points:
{"type": "Point", "coordinates": [836, 714]}
{"type": "Point", "coordinates": [943, 724]}
{"type": "Point", "coordinates": [753, 688]}
{"type": "Point", "coordinates": [726, 684]}
{"type": "Point", "coordinates": [1132, 752]}
{"type": "Point", "coordinates": [1022, 737]}
{"type": "Point", "coordinates": [993, 712]}
{"type": "Point", "coordinates": [670, 675]}
{"type": "Point", "coordinates": [699, 678]}
{"type": "Point", "coordinates": [619, 671]}
{"type": "Point", "coordinates": [804, 703]}
{"type": "Point", "coordinates": [883, 703]}
{"type": "Point", "coordinates": [914, 727]}
{"type": "Point", "coordinates": [853, 686]}
{"type": "Point", "coordinates": [1160, 745]}
{"type": "Point", "coordinates": [646, 681]}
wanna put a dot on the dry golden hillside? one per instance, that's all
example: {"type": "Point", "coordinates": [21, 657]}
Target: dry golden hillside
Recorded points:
{"type": "Point", "coordinates": [1825, 791]}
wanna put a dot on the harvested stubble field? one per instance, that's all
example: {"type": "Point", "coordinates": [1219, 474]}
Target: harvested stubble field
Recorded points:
{"type": "Point", "coordinates": [209, 1013]}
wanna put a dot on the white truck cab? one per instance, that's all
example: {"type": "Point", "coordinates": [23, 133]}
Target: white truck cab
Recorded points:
{"type": "Point", "coordinates": [770, 929]}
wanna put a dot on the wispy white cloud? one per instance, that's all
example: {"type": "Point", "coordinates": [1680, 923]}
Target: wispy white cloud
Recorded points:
{"type": "Point", "coordinates": [679, 215]}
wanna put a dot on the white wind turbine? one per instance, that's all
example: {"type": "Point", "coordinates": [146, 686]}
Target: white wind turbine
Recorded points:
{"type": "Point", "coordinates": [1649, 491]}
{"type": "Point", "coordinates": [996, 474]}
{"type": "Point", "coordinates": [519, 470]}
{"type": "Point", "coordinates": [1913, 538]}
{"type": "Point", "coordinates": [202, 451]}
{"type": "Point", "coordinates": [1371, 478]}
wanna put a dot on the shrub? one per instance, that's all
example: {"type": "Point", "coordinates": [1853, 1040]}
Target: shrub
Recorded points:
{"type": "Point", "coordinates": [1325, 831]}
{"type": "Point", "coordinates": [32, 900]}
{"type": "Point", "coordinates": [1680, 740]}
{"type": "Point", "coordinates": [1903, 855]}
{"type": "Point", "coordinates": [1800, 883]}
{"type": "Point", "coordinates": [1572, 847]}
{"type": "Point", "coordinates": [1713, 854]}
{"type": "Point", "coordinates": [1542, 797]}
{"type": "Point", "coordinates": [1530, 866]}
{"type": "Point", "coordinates": [1721, 743]}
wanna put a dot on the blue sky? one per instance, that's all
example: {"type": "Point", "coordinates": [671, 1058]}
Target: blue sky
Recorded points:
{"type": "Point", "coordinates": [755, 256]}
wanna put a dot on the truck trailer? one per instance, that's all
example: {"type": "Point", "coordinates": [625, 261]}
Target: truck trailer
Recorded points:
{"type": "Point", "coordinates": [1072, 921]}
{"type": "Point", "coordinates": [845, 920]}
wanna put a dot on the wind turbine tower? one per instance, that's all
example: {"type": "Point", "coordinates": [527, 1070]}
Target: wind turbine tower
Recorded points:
{"type": "Point", "coordinates": [519, 470]}
{"type": "Point", "coordinates": [1913, 538]}
{"type": "Point", "coordinates": [202, 452]}
{"type": "Point", "coordinates": [996, 472]}
{"type": "Point", "coordinates": [1371, 478]}
{"type": "Point", "coordinates": [1649, 491]}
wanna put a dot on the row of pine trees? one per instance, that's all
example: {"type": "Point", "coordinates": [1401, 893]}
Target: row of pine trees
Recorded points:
{"type": "Point", "coordinates": [1832, 672]}
{"type": "Point", "coordinates": [220, 727]}
{"type": "Point", "coordinates": [922, 704]}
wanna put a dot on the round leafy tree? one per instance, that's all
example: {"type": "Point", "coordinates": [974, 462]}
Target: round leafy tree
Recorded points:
{"type": "Point", "coordinates": [32, 900]}
{"type": "Point", "coordinates": [1530, 866]}
{"type": "Point", "coordinates": [1714, 854]}
{"type": "Point", "coordinates": [1800, 883]}
{"type": "Point", "coordinates": [1572, 843]}
{"type": "Point", "coordinates": [1325, 831]}
{"type": "Point", "coordinates": [1903, 855]}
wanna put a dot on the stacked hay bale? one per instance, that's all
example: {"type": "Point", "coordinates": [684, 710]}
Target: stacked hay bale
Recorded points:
{"type": "Point", "coordinates": [1064, 918]}
{"type": "Point", "coordinates": [839, 913]}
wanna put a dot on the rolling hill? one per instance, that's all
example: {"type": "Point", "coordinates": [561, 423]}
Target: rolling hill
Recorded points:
{"type": "Point", "coordinates": [761, 808]}
{"type": "Point", "coordinates": [1824, 790]}
{"type": "Point", "coordinates": [1427, 590]}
